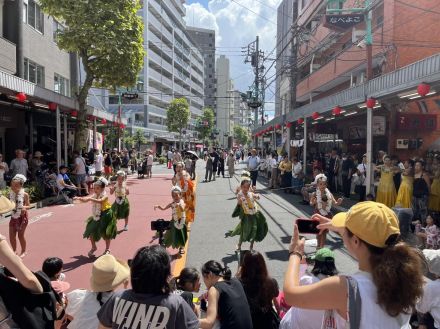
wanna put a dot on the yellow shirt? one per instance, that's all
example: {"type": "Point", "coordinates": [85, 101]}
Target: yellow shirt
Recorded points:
{"type": "Point", "coordinates": [105, 205]}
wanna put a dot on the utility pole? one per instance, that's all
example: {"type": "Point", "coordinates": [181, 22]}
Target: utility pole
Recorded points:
{"type": "Point", "coordinates": [369, 48]}
{"type": "Point", "coordinates": [255, 98]}
{"type": "Point", "coordinates": [293, 78]}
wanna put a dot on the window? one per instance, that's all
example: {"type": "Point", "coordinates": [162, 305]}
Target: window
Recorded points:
{"type": "Point", "coordinates": [56, 28]}
{"type": "Point", "coordinates": [35, 16]}
{"type": "Point", "coordinates": [33, 72]}
{"type": "Point", "coordinates": [210, 65]}
{"type": "Point", "coordinates": [25, 10]}
{"type": "Point", "coordinates": [155, 119]}
{"type": "Point", "coordinates": [61, 85]}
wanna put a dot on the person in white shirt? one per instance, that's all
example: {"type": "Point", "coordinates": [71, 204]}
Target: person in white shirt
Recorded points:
{"type": "Point", "coordinates": [150, 160]}
{"type": "Point", "coordinates": [430, 302]}
{"type": "Point", "coordinates": [253, 163]}
{"type": "Point", "coordinates": [383, 293]}
{"type": "Point", "coordinates": [273, 165]}
{"type": "Point", "coordinates": [360, 180]}
{"type": "Point", "coordinates": [297, 175]}
{"type": "Point", "coordinates": [64, 184]}
{"type": "Point", "coordinates": [99, 163]}
{"type": "Point", "coordinates": [80, 173]}
{"type": "Point", "coordinates": [3, 170]}
{"type": "Point", "coordinates": [19, 165]}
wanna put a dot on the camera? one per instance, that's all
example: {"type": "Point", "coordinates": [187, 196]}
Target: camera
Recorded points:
{"type": "Point", "coordinates": [160, 225]}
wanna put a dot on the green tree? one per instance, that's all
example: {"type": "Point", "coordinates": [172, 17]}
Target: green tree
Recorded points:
{"type": "Point", "coordinates": [139, 139]}
{"type": "Point", "coordinates": [178, 115]}
{"type": "Point", "coordinates": [107, 36]}
{"type": "Point", "coordinates": [241, 135]}
{"type": "Point", "coordinates": [205, 123]}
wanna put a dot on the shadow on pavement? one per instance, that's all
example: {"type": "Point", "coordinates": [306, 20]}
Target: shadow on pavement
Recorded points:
{"type": "Point", "coordinates": [79, 261]}
{"type": "Point", "coordinates": [281, 255]}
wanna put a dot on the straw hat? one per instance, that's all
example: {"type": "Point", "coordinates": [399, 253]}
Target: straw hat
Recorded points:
{"type": "Point", "coordinates": [5, 205]}
{"type": "Point", "coordinates": [108, 273]}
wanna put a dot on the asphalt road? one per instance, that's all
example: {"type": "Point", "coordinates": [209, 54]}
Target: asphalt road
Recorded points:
{"type": "Point", "coordinates": [215, 203]}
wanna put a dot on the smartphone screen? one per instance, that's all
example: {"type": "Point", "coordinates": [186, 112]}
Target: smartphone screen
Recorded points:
{"type": "Point", "coordinates": [307, 226]}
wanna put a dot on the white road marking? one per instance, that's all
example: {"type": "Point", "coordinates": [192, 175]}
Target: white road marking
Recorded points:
{"type": "Point", "coordinates": [39, 217]}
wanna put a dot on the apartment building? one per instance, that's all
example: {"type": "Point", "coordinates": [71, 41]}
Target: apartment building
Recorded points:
{"type": "Point", "coordinates": [173, 68]}
{"type": "Point", "coordinates": [332, 73]}
{"type": "Point", "coordinates": [37, 81]}
{"type": "Point", "coordinates": [242, 114]}
{"type": "Point", "coordinates": [205, 40]}
{"type": "Point", "coordinates": [224, 109]}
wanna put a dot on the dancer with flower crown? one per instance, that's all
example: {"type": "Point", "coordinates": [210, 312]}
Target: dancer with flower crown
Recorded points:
{"type": "Point", "coordinates": [183, 180]}
{"type": "Point", "coordinates": [102, 223]}
{"type": "Point", "coordinates": [121, 206]}
{"type": "Point", "coordinates": [177, 234]}
{"type": "Point", "coordinates": [19, 216]}
{"type": "Point", "coordinates": [253, 225]}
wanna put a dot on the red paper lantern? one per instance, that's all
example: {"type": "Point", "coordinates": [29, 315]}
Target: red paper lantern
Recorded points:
{"type": "Point", "coordinates": [52, 106]}
{"type": "Point", "coordinates": [288, 124]}
{"type": "Point", "coordinates": [337, 110]}
{"type": "Point", "coordinates": [300, 121]}
{"type": "Point", "coordinates": [21, 97]}
{"type": "Point", "coordinates": [423, 89]}
{"type": "Point", "coordinates": [278, 126]}
{"type": "Point", "coordinates": [371, 102]}
{"type": "Point", "coordinates": [74, 113]}
{"type": "Point", "coordinates": [315, 115]}
{"type": "Point", "coordinates": [103, 121]}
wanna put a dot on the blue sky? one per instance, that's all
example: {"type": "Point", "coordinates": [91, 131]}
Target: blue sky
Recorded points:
{"type": "Point", "coordinates": [237, 23]}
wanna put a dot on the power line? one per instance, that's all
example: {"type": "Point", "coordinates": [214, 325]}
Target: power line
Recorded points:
{"type": "Point", "coordinates": [265, 18]}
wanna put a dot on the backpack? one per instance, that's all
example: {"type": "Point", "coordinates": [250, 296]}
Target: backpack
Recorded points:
{"type": "Point", "coordinates": [29, 310]}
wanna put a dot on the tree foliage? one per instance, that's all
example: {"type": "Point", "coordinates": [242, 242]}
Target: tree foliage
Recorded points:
{"type": "Point", "coordinates": [241, 135]}
{"type": "Point", "coordinates": [135, 140]}
{"type": "Point", "coordinates": [107, 36]}
{"type": "Point", "coordinates": [206, 123]}
{"type": "Point", "coordinates": [178, 115]}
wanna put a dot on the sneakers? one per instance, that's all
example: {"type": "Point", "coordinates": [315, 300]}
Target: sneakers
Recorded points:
{"type": "Point", "coordinates": [126, 228]}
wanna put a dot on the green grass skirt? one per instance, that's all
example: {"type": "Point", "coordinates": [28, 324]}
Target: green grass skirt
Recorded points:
{"type": "Point", "coordinates": [104, 228]}
{"type": "Point", "coordinates": [251, 227]}
{"type": "Point", "coordinates": [121, 211]}
{"type": "Point", "coordinates": [176, 238]}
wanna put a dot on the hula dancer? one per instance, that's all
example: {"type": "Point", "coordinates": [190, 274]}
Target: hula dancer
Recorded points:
{"type": "Point", "coordinates": [121, 206]}
{"type": "Point", "coordinates": [19, 216]}
{"type": "Point", "coordinates": [244, 175]}
{"type": "Point", "coordinates": [102, 223]}
{"type": "Point", "coordinates": [177, 234]}
{"type": "Point", "coordinates": [187, 187]}
{"type": "Point", "coordinates": [252, 226]}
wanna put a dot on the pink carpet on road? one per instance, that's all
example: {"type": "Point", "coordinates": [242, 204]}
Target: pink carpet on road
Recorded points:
{"type": "Point", "coordinates": [57, 230]}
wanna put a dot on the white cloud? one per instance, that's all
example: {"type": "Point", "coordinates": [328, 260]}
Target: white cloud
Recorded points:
{"type": "Point", "coordinates": [236, 27]}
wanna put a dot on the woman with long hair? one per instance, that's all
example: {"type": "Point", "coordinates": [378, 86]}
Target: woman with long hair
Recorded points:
{"type": "Point", "coordinates": [261, 290]}
{"type": "Point", "coordinates": [226, 299]}
{"type": "Point", "coordinates": [370, 232]}
{"type": "Point", "coordinates": [421, 191]}
{"type": "Point", "coordinates": [405, 193]}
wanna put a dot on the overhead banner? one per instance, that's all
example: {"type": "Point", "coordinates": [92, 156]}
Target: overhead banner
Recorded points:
{"type": "Point", "coordinates": [343, 22]}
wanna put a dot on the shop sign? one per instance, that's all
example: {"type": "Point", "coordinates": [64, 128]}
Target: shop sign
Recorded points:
{"type": "Point", "coordinates": [266, 139]}
{"type": "Point", "coordinates": [343, 22]}
{"type": "Point", "coordinates": [296, 142]}
{"type": "Point", "coordinates": [322, 137]}
{"type": "Point", "coordinates": [357, 132]}
{"type": "Point", "coordinates": [379, 125]}
{"type": "Point", "coordinates": [425, 122]}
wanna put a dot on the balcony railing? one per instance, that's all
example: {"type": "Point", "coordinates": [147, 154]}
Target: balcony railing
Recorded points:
{"type": "Point", "coordinates": [387, 85]}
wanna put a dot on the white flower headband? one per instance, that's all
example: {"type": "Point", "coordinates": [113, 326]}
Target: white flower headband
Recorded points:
{"type": "Point", "coordinates": [176, 189]}
{"type": "Point", "coordinates": [102, 180]}
{"type": "Point", "coordinates": [21, 178]}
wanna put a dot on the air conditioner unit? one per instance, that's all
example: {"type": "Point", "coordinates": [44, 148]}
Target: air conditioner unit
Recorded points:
{"type": "Point", "coordinates": [357, 35]}
{"type": "Point", "coordinates": [402, 143]}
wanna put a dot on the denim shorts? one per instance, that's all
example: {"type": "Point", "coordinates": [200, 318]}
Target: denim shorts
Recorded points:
{"type": "Point", "coordinates": [81, 178]}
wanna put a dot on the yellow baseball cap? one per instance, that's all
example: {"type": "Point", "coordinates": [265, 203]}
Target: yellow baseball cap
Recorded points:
{"type": "Point", "coordinates": [372, 222]}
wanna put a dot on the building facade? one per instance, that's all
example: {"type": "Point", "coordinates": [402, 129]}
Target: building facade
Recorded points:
{"type": "Point", "coordinates": [205, 40]}
{"type": "Point", "coordinates": [45, 77]}
{"type": "Point", "coordinates": [332, 73]}
{"type": "Point", "coordinates": [224, 110]}
{"type": "Point", "coordinates": [283, 63]}
{"type": "Point", "coordinates": [173, 68]}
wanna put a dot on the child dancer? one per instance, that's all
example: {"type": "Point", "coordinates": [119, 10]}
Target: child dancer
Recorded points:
{"type": "Point", "coordinates": [19, 217]}
{"type": "Point", "coordinates": [121, 206]}
{"type": "Point", "coordinates": [187, 187]}
{"type": "Point", "coordinates": [244, 175]}
{"type": "Point", "coordinates": [323, 202]}
{"type": "Point", "coordinates": [253, 225]}
{"type": "Point", "coordinates": [102, 223]}
{"type": "Point", "coordinates": [177, 235]}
